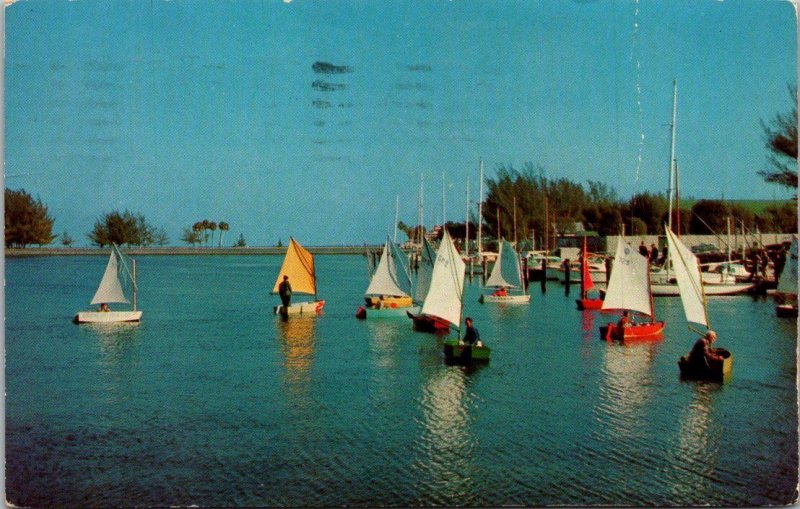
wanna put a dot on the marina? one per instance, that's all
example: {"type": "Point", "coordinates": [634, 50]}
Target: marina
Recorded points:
{"type": "Point", "coordinates": [214, 400]}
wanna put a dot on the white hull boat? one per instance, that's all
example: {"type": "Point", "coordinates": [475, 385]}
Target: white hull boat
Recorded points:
{"type": "Point", "coordinates": [110, 291]}
{"type": "Point", "coordinates": [107, 316]}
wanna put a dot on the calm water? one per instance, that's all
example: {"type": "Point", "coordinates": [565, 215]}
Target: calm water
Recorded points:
{"type": "Point", "coordinates": [211, 400]}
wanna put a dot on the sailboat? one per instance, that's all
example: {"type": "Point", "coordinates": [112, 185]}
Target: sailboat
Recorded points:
{"type": "Point", "coordinates": [441, 307]}
{"type": "Point", "coordinates": [298, 265]}
{"type": "Point", "coordinates": [687, 272]}
{"type": "Point", "coordinates": [506, 274]}
{"type": "Point", "coordinates": [110, 291]}
{"type": "Point", "coordinates": [389, 292]}
{"type": "Point", "coordinates": [787, 286]}
{"type": "Point", "coordinates": [591, 298]}
{"type": "Point", "coordinates": [629, 290]}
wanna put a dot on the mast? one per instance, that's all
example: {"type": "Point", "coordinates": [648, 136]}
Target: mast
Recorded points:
{"type": "Point", "coordinates": [499, 233]}
{"type": "Point", "coordinates": [728, 222]}
{"type": "Point", "coordinates": [466, 235]}
{"type": "Point", "coordinates": [480, 217]}
{"type": "Point", "coordinates": [443, 209]}
{"type": "Point", "coordinates": [515, 221]}
{"type": "Point", "coordinates": [133, 279]}
{"type": "Point", "coordinates": [672, 150]}
{"type": "Point", "coordinates": [396, 215]}
{"type": "Point", "coordinates": [421, 206]}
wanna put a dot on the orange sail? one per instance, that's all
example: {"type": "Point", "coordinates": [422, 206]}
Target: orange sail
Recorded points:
{"type": "Point", "coordinates": [299, 266]}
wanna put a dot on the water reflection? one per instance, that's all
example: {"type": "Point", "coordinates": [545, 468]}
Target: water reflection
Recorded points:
{"type": "Point", "coordinates": [114, 340]}
{"type": "Point", "coordinates": [384, 336]}
{"type": "Point", "coordinates": [626, 386]}
{"type": "Point", "coordinates": [297, 337]}
{"type": "Point", "coordinates": [697, 451]}
{"type": "Point", "coordinates": [447, 442]}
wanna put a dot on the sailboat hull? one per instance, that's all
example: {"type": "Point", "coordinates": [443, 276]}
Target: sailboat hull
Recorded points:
{"type": "Point", "coordinates": [651, 331]}
{"type": "Point", "coordinates": [107, 316]}
{"type": "Point", "coordinates": [300, 308]}
{"type": "Point", "coordinates": [589, 303]}
{"type": "Point", "coordinates": [786, 311]}
{"type": "Point", "coordinates": [505, 299]}
{"type": "Point", "coordinates": [713, 371]}
{"type": "Point", "coordinates": [709, 289]}
{"type": "Point", "coordinates": [385, 312]}
{"type": "Point", "coordinates": [459, 353]}
{"type": "Point", "coordinates": [426, 323]}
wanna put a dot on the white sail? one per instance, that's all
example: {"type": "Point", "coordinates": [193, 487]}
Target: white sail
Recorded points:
{"type": "Point", "coordinates": [447, 284]}
{"type": "Point", "coordinates": [788, 280]}
{"type": "Point", "coordinates": [110, 289]}
{"type": "Point", "coordinates": [424, 271]}
{"type": "Point", "coordinates": [629, 285]}
{"type": "Point", "coordinates": [401, 268]}
{"type": "Point", "coordinates": [389, 277]}
{"type": "Point", "coordinates": [506, 270]}
{"type": "Point", "coordinates": [687, 272]}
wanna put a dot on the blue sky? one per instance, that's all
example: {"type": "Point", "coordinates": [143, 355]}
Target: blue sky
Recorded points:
{"type": "Point", "coordinates": [191, 110]}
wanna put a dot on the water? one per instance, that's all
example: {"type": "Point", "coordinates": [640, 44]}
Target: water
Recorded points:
{"type": "Point", "coordinates": [211, 400]}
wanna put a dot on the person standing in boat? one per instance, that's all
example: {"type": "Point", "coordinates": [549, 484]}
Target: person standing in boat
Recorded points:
{"type": "Point", "coordinates": [702, 353]}
{"type": "Point", "coordinates": [285, 292]}
{"type": "Point", "coordinates": [653, 254]}
{"type": "Point", "coordinates": [471, 336]}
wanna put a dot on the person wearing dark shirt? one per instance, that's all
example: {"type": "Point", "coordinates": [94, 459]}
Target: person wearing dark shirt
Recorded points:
{"type": "Point", "coordinates": [653, 253]}
{"type": "Point", "coordinates": [625, 321]}
{"type": "Point", "coordinates": [643, 250]}
{"type": "Point", "coordinates": [472, 335]}
{"type": "Point", "coordinates": [702, 352]}
{"type": "Point", "coordinates": [285, 291]}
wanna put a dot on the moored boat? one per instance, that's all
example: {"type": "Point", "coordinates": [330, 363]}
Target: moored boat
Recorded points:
{"type": "Point", "coordinates": [786, 291]}
{"type": "Point", "coordinates": [591, 297]}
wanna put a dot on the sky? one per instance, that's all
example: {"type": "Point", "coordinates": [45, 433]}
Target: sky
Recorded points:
{"type": "Point", "coordinates": [192, 110]}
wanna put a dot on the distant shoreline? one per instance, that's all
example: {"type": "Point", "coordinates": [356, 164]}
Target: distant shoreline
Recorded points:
{"type": "Point", "coordinates": [182, 251]}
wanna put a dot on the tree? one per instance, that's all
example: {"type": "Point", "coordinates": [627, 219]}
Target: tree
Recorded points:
{"type": "Point", "coordinates": [223, 227]}
{"type": "Point", "coordinates": [781, 219]}
{"type": "Point", "coordinates": [26, 220]}
{"type": "Point", "coordinates": [122, 228]}
{"type": "Point", "coordinates": [240, 242]}
{"type": "Point", "coordinates": [191, 236]}
{"type": "Point", "coordinates": [708, 217]}
{"type": "Point", "coordinates": [781, 140]}
{"type": "Point", "coordinates": [213, 227]}
{"type": "Point", "coordinates": [652, 209]}
{"type": "Point", "coordinates": [66, 240]}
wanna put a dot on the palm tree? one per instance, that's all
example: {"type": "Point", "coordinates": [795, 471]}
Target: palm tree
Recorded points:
{"type": "Point", "coordinates": [206, 226]}
{"type": "Point", "coordinates": [213, 227]}
{"type": "Point", "coordinates": [223, 227]}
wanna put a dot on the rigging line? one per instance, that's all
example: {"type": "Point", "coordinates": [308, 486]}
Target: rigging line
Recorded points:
{"type": "Point", "coordinates": [638, 86]}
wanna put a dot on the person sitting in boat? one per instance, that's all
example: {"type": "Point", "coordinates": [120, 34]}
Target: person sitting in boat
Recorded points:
{"type": "Point", "coordinates": [285, 291]}
{"type": "Point", "coordinates": [625, 321]}
{"type": "Point", "coordinates": [104, 308]}
{"type": "Point", "coordinates": [653, 253]}
{"type": "Point", "coordinates": [471, 336]}
{"type": "Point", "coordinates": [500, 292]}
{"type": "Point", "coordinates": [702, 352]}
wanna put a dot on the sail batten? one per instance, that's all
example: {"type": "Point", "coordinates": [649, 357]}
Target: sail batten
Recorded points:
{"type": "Point", "coordinates": [687, 273]}
{"type": "Point", "coordinates": [298, 264]}
{"type": "Point", "coordinates": [447, 284]}
{"type": "Point", "coordinates": [629, 284]}
{"type": "Point", "coordinates": [506, 271]}
{"type": "Point", "coordinates": [110, 289]}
